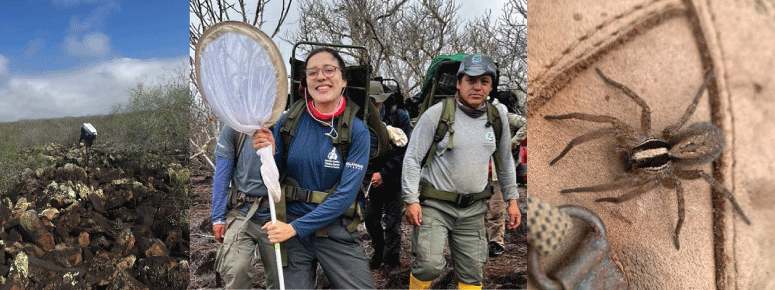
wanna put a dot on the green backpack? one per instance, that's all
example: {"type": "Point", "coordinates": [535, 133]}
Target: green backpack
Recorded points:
{"type": "Point", "coordinates": [440, 84]}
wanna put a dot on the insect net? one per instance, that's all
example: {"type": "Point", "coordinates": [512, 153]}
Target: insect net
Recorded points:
{"type": "Point", "coordinates": [243, 79]}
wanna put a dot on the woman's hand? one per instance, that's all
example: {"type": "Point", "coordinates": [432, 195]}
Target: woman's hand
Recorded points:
{"type": "Point", "coordinates": [278, 232]}
{"type": "Point", "coordinates": [262, 138]}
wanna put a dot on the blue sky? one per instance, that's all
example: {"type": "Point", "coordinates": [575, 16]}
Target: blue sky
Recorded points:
{"type": "Point", "coordinates": [78, 57]}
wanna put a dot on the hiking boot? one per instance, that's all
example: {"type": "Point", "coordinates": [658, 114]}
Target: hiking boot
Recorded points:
{"type": "Point", "coordinates": [375, 263]}
{"type": "Point", "coordinates": [495, 249]}
{"type": "Point", "coordinates": [661, 50]}
{"type": "Point", "coordinates": [392, 263]}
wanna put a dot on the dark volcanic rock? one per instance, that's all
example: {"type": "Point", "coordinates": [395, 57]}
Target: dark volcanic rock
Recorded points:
{"type": "Point", "coordinates": [80, 224]}
{"type": "Point", "coordinates": [34, 231]}
{"type": "Point", "coordinates": [162, 271]}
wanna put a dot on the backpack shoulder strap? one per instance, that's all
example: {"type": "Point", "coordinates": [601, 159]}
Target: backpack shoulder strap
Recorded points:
{"type": "Point", "coordinates": [238, 143]}
{"type": "Point", "coordinates": [344, 129]}
{"type": "Point", "coordinates": [288, 126]}
{"type": "Point", "coordinates": [494, 118]}
{"type": "Point", "coordinates": [446, 120]}
{"type": "Point", "coordinates": [232, 203]}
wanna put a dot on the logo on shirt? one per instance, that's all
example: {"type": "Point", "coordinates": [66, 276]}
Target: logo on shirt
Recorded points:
{"type": "Point", "coordinates": [354, 165]}
{"type": "Point", "coordinates": [490, 137]}
{"type": "Point", "coordinates": [332, 161]}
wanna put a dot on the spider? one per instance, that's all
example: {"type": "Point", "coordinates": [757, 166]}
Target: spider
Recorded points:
{"type": "Point", "coordinates": [650, 159]}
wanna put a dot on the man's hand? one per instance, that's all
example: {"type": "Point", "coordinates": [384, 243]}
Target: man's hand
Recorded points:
{"type": "Point", "coordinates": [413, 213]}
{"type": "Point", "coordinates": [218, 231]}
{"type": "Point", "coordinates": [376, 179]}
{"type": "Point", "coordinates": [514, 215]}
{"type": "Point", "coordinates": [278, 232]}
{"type": "Point", "coordinates": [262, 138]}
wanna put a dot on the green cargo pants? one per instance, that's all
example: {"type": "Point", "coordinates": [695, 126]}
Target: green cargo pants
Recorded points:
{"type": "Point", "coordinates": [463, 228]}
{"type": "Point", "coordinates": [233, 258]}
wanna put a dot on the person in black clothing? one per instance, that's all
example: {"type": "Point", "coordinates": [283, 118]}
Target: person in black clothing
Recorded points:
{"type": "Point", "coordinates": [88, 134]}
{"type": "Point", "coordinates": [385, 190]}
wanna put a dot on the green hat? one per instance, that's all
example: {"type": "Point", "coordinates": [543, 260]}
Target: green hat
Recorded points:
{"type": "Point", "coordinates": [377, 93]}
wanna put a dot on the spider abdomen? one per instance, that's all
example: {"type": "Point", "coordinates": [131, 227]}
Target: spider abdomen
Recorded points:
{"type": "Point", "coordinates": [698, 143]}
{"type": "Point", "coordinates": [652, 155]}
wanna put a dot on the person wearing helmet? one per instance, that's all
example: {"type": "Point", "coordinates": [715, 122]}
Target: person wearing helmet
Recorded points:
{"type": "Point", "coordinates": [445, 199]}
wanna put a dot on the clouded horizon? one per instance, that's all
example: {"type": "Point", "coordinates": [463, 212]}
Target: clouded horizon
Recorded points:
{"type": "Point", "coordinates": [62, 58]}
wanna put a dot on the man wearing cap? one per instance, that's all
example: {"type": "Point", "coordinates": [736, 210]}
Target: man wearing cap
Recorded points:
{"type": "Point", "coordinates": [460, 169]}
{"type": "Point", "coordinates": [385, 190]}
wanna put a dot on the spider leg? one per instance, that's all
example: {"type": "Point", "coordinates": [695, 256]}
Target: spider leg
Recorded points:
{"type": "Point", "coordinates": [643, 188]}
{"type": "Point", "coordinates": [645, 118]}
{"type": "Point", "coordinates": [694, 174]}
{"type": "Point", "coordinates": [672, 129]}
{"type": "Point", "coordinates": [597, 119]}
{"type": "Point", "coordinates": [584, 138]}
{"type": "Point", "coordinates": [622, 182]}
{"type": "Point", "coordinates": [679, 193]}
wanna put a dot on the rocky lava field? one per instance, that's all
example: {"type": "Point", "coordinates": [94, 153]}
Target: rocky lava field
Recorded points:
{"type": "Point", "coordinates": [117, 220]}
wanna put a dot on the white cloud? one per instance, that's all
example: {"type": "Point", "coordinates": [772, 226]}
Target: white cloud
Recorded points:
{"type": "Point", "coordinates": [93, 44]}
{"type": "Point", "coordinates": [90, 91]}
{"type": "Point", "coordinates": [34, 46]}
{"type": "Point", "coordinates": [3, 65]}
{"type": "Point", "coordinates": [96, 19]}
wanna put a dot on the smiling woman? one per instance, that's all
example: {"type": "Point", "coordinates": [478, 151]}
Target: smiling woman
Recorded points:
{"type": "Point", "coordinates": [317, 231]}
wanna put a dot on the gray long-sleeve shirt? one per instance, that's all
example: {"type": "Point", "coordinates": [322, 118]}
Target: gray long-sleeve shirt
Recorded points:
{"type": "Point", "coordinates": [464, 168]}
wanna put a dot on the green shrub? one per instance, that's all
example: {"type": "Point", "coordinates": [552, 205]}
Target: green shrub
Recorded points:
{"type": "Point", "coordinates": [153, 125]}
{"type": "Point", "coordinates": [156, 117]}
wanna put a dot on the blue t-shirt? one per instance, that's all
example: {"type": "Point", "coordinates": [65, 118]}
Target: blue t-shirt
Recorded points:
{"type": "Point", "coordinates": [315, 163]}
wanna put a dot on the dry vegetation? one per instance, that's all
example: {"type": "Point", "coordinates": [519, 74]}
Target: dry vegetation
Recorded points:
{"type": "Point", "coordinates": [116, 220]}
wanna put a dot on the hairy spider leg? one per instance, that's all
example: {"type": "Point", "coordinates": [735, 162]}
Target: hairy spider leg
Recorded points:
{"type": "Point", "coordinates": [597, 119]}
{"type": "Point", "coordinates": [646, 186]}
{"type": "Point", "coordinates": [694, 174]}
{"type": "Point", "coordinates": [645, 118]}
{"type": "Point", "coordinates": [679, 193]}
{"type": "Point", "coordinates": [671, 130]}
{"type": "Point", "coordinates": [584, 138]}
{"type": "Point", "coordinates": [619, 183]}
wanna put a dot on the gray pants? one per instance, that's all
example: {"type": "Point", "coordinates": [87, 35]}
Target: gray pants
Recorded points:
{"type": "Point", "coordinates": [496, 216]}
{"type": "Point", "coordinates": [463, 228]}
{"type": "Point", "coordinates": [341, 256]}
{"type": "Point", "coordinates": [233, 258]}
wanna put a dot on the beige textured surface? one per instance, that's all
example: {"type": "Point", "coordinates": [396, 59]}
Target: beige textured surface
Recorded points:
{"type": "Point", "coordinates": [661, 50]}
{"type": "Point", "coordinates": [744, 50]}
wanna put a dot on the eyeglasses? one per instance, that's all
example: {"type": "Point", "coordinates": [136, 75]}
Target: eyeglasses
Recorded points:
{"type": "Point", "coordinates": [328, 71]}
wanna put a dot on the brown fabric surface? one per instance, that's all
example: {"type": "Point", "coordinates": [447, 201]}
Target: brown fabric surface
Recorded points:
{"type": "Point", "coordinates": [661, 50]}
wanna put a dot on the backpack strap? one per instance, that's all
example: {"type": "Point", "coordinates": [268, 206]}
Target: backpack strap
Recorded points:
{"type": "Point", "coordinates": [238, 143]}
{"type": "Point", "coordinates": [233, 201]}
{"type": "Point", "coordinates": [446, 120]}
{"type": "Point", "coordinates": [494, 119]}
{"type": "Point", "coordinates": [377, 127]}
{"type": "Point", "coordinates": [289, 124]}
{"type": "Point", "coordinates": [344, 129]}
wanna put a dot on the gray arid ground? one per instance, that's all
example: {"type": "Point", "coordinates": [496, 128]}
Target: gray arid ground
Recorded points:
{"type": "Point", "coordinates": [504, 272]}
